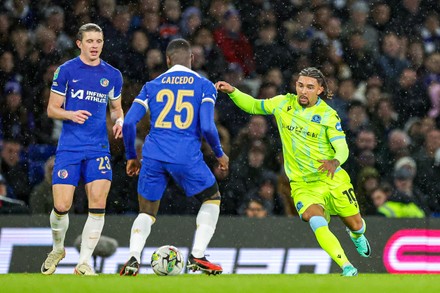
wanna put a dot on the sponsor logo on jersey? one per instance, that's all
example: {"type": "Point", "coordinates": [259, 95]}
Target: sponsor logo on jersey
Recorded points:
{"type": "Point", "coordinates": [316, 119]}
{"type": "Point", "coordinates": [75, 80]}
{"type": "Point", "coordinates": [63, 174]}
{"type": "Point", "coordinates": [55, 75]}
{"type": "Point", "coordinates": [104, 82]}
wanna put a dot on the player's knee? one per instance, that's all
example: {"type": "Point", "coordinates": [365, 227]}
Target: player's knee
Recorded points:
{"type": "Point", "coordinates": [61, 209]}
{"type": "Point", "coordinates": [211, 193]}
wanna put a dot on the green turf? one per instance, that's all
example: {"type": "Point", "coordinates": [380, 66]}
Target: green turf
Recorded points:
{"type": "Point", "coordinates": [303, 283]}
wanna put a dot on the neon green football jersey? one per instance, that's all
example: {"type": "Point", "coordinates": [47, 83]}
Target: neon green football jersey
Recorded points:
{"type": "Point", "coordinates": [306, 133]}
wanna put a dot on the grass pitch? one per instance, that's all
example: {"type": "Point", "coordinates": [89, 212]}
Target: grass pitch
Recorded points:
{"type": "Point", "coordinates": [370, 283]}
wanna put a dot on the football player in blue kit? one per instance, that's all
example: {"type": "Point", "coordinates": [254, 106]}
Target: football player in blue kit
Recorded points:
{"type": "Point", "coordinates": [181, 105]}
{"type": "Point", "coordinates": [81, 90]}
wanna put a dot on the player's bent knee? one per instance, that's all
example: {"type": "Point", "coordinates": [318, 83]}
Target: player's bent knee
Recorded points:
{"type": "Point", "coordinates": [209, 194]}
{"type": "Point", "coordinates": [60, 210]}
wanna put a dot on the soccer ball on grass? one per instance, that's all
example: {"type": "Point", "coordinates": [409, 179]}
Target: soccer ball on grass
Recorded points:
{"type": "Point", "coordinates": [167, 261]}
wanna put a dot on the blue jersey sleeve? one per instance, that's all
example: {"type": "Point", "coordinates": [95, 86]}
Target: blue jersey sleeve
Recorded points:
{"type": "Point", "coordinates": [60, 80]}
{"type": "Point", "coordinates": [136, 112]}
{"type": "Point", "coordinates": [116, 93]}
{"type": "Point", "coordinates": [207, 125]}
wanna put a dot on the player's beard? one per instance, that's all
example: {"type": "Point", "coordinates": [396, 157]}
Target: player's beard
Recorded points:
{"type": "Point", "coordinates": [305, 102]}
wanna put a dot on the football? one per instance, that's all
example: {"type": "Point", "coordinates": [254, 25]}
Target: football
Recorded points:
{"type": "Point", "coordinates": [167, 261]}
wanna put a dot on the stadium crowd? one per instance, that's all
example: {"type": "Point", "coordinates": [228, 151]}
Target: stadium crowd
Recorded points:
{"type": "Point", "coordinates": [381, 59]}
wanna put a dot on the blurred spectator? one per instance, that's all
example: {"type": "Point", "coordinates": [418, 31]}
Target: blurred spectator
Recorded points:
{"type": "Point", "coordinates": [255, 135]}
{"type": "Point", "coordinates": [249, 170]}
{"type": "Point", "coordinates": [359, 12]}
{"type": "Point", "coordinates": [169, 27]}
{"type": "Point", "coordinates": [155, 63]}
{"type": "Point", "coordinates": [234, 44]}
{"type": "Point", "coordinates": [385, 119]}
{"type": "Point", "coordinates": [407, 18]}
{"type": "Point", "coordinates": [255, 209]}
{"type": "Point", "coordinates": [410, 98]}
{"type": "Point", "coordinates": [266, 192]}
{"type": "Point", "coordinates": [231, 190]}
{"type": "Point", "coordinates": [191, 20]}
{"type": "Point", "coordinates": [215, 15]}
{"type": "Point", "coordinates": [428, 175]}
{"type": "Point", "coordinates": [41, 197]}
{"type": "Point", "coordinates": [416, 55]}
{"type": "Point", "coordinates": [106, 10]}
{"type": "Point", "coordinates": [5, 24]}
{"type": "Point", "coordinates": [229, 114]}
{"type": "Point", "coordinates": [54, 20]}
{"type": "Point", "coordinates": [379, 196]}
{"type": "Point", "coordinates": [357, 119]}
{"type": "Point", "coordinates": [367, 180]}
{"type": "Point", "coordinates": [406, 201]}
{"type": "Point", "coordinates": [434, 97]}
{"type": "Point", "coordinates": [380, 18]}
{"type": "Point", "coordinates": [117, 38]}
{"type": "Point", "coordinates": [14, 170]}
{"type": "Point", "coordinates": [214, 59]}
{"type": "Point", "coordinates": [431, 33]}
{"type": "Point", "coordinates": [343, 99]}
{"type": "Point", "coordinates": [135, 61]}
{"type": "Point", "coordinates": [373, 93]}
{"type": "Point", "coordinates": [267, 49]}
{"type": "Point", "coordinates": [390, 62]}
{"type": "Point", "coordinates": [359, 57]}
{"type": "Point", "coordinates": [396, 147]}
{"type": "Point", "coordinates": [21, 12]}
{"type": "Point", "coordinates": [9, 205]}
{"type": "Point", "coordinates": [298, 45]}
{"type": "Point", "coordinates": [150, 24]}
{"type": "Point", "coordinates": [14, 117]}
{"type": "Point", "coordinates": [361, 153]}
{"type": "Point", "coordinates": [7, 72]}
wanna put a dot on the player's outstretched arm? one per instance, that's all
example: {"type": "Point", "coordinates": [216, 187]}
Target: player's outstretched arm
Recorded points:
{"type": "Point", "coordinates": [244, 101]}
{"type": "Point", "coordinates": [55, 110]}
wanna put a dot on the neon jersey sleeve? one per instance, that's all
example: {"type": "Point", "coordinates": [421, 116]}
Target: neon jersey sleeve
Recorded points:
{"type": "Point", "coordinates": [337, 138]}
{"type": "Point", "coordinates": [247, 103]}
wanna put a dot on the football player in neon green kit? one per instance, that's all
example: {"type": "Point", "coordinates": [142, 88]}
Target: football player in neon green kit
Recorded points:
{"type": "Point", "coordinates": [314, 147]}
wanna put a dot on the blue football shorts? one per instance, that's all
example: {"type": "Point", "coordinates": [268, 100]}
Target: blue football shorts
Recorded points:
{"type": "Point", "coordinates": [193, 177]}
{"type": "Point", "coordinates": [70, 167]}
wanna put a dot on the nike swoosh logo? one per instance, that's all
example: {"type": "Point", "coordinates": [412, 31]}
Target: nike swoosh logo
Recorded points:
{"type": "Point", "coordinates": [368, 251]}
{"type": "Point", "coordinates": [75, 80]}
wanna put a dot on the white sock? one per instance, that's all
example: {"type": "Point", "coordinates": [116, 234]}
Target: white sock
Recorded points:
{"type": "Point", "coordinates": [59, 225]}
{"type": "Point", "coordinates": [139, 233]}
{"type": "Point", "coordinates": [206, 222]}
{"type": "Point", "coordinates": [90, 236]}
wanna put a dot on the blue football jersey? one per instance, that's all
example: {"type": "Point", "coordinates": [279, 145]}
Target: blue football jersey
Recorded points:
{"type": "Point", "coordinates": [174, 99]}
{"type": "Point", "coordinates": [88, 88]}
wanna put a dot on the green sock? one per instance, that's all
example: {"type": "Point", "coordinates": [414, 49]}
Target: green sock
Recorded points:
{"type": "Point", "coordinates": [328, 241]}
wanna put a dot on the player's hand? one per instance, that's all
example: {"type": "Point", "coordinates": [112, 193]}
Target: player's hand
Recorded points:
{"type": "Point", "coordinates": [223, 162]}
{"type": "Point", "coordinates": [117, 129]}
{"type": "Point", "coordinates": [80, 116]}
{"type": "Point", "coordinates": [329, 166]}
{"type": "Point", "coordinates": [133, 167]}
{"type": "Point", "coordinates": [225, 87]}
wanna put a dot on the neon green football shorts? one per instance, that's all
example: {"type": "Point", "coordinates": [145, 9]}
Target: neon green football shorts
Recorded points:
{"type": "Point", "coordinates": [335, 195]}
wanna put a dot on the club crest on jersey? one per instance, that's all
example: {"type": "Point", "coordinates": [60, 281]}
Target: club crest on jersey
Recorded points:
{"type": "Point", "coordinates": [338, 126]}
{"type": "Point", "coordinates": [55, 74]}
{"type": "Point", "coordinates": [299, 206]}
{"type": "Point", "coordinates": [63, 174]}
{"type": "Point", "coordinates": [316, 118]}
{"type": "Point", "coordinates": [104, 82]}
